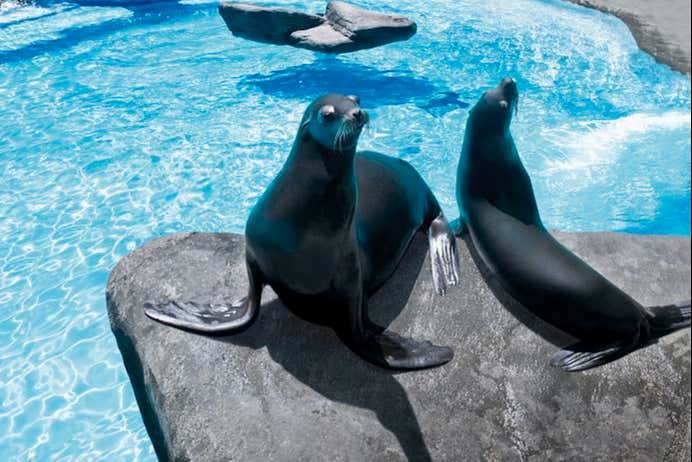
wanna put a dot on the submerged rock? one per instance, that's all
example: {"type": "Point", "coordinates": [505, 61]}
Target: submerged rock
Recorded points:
{"type": "Point", "coordinates": [286, 389]}
{"type": "Point", "coordinates": [344, 28]}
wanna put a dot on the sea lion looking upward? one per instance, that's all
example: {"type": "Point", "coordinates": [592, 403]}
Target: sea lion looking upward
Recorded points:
{"type": "Point", "coordinates": [329, 230]}
{"type": "Point", "coordinates": [499, 211]}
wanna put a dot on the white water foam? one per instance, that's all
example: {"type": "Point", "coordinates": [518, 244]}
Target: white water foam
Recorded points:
{"type": "Point", "coordinates": [50, 23]}
{"type": "Point", "coordinates": [15, 11]}
{"type": "Point", "coordinates": [599, 142]}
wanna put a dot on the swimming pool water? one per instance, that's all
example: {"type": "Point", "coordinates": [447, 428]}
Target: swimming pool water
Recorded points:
{"type": "Point", "coordinates": [123, 121]}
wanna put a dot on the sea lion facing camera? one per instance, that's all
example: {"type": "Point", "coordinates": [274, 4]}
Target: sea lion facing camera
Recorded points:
{"type": "Point", "coordinates": [329, 230]}
{"type": "Point", "coordinates": [499, 211]}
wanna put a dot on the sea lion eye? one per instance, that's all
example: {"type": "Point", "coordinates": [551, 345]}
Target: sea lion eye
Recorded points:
{"type": "Point", "coordinates": [328, 113]}
{"type": "Point", "coordinates": [354, 98]}
{"type": "Point", "coordinates": [504, 104]}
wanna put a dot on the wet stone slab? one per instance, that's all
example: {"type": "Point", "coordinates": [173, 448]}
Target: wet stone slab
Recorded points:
{"type": "Point", "coordinates": [660, 27]}
{"type": "Point", "coordinates": [286, 389]}
{"type": "Point", "coordinates": [343, 28]}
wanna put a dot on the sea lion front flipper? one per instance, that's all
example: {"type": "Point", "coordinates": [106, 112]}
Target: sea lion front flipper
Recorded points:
{"type": "Point", "coordinates": [393, 351]}
{"type": "Point", "coordinates": [443, 255]}
{"type": "Point", "coordinates": [202, 317]}
{"type": "Point", "coordinates": [406, 353]}
{"type": "Point", "coordinates": [374, 344]}
{"type": "Point", "coordinates": [582, 356]}
{"type": "Point", "coordinates": [211, 318]}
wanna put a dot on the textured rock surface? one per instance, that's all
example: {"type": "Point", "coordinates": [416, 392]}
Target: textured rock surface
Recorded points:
{"type": "Point", "coordinates": [323, 38]}
{"type": "Point", "coordinates": [660, 27]}
{"type": "Point", "coordinates": [268, 25]}
{"type": "Point", "coordinates": [344, 28]}
{"type": "Point", "coordinates": [364, 26]}
{"type": "Point", "coordinates": [286, 389]}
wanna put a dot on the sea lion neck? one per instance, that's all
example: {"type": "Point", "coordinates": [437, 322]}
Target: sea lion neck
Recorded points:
{"type": "Point", "coordinates": [486, 148]}
{"type": "Point", "coordinates": [310, 158]}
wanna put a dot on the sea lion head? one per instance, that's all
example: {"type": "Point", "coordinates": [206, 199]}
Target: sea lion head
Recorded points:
{"type": "Point", "coordinates": [492, 114]}
{"type": "Point", "coordinates": [335, 122]}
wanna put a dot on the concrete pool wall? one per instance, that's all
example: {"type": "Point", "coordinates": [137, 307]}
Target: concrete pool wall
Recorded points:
{"type": "Point", "coordinates": [661, 28]}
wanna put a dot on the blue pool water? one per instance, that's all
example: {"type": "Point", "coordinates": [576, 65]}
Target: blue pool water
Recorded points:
{"type": "Point", "coordinates": [123, 122]}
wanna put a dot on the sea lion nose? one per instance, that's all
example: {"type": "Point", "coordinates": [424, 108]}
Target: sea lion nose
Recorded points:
{"type": "Point", "coordinates": [509, 88]}
{"type": "Point", "coordinates": [508, 84]}
{"type": "Point", "coordinates": [359, 115]}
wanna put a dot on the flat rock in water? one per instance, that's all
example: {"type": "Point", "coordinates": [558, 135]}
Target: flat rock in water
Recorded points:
{"type": "Point", "coordinates": [286, 389]}
{"type": "Point", "coordinates": [344, 28]}
{"type": "Point", "coordinates": [323, 38]}
{"type": "Point", "coordinates": [267, 25]}
{"type": "Point", "coordinates": [363, 26]}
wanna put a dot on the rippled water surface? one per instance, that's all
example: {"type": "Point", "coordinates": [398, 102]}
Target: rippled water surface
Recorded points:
{"type": "Point", "coordinates": [123, 122]}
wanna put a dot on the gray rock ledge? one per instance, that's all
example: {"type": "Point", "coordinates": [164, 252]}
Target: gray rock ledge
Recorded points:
{"type": "Point", "coordinates": [660, 27]}
{"type": "Point", "coordinates": [288, 390]}
{"type": "Point", "coordinates": [344, 28]}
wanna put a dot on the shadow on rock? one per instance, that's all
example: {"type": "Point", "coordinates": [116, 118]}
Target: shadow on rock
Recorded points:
{"type": "Point", "coordinates": [315, 356]}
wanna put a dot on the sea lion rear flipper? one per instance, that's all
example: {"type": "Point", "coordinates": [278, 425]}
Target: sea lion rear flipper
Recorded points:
{"type": "Point", "coordinates": [211, 318]}
{"type": "Point", "coordinates": [669, 318]}
{"type": "Point", "coordinates": [443, 255]}
{"type": "Point", "coordinates": [583, 355]}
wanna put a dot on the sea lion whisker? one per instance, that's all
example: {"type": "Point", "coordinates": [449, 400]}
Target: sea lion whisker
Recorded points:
{"type": "Point", "coordinates": [347, 130]}
{"type": "Point", "coordinates": [350, 129]}
{"type": "Point", "coordinates": [352, 126]}
{"type": "Point", "coordinates": [337, 138]}
{"type": "Point", "coordinates": [342, 137]}
{"type": "Point", "coordinates": [516, 106]}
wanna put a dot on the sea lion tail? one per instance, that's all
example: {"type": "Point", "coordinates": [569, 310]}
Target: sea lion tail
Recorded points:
{"type": "Point", "coordinates": [667, 319]}
{"type": "Point", "coordinates": [663, 320]}
{"type": "Point", "coordinates": [443, 255]}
